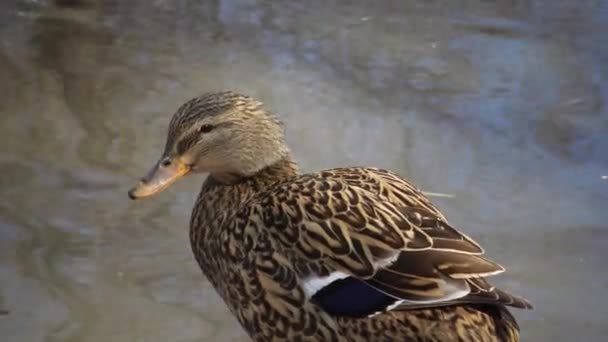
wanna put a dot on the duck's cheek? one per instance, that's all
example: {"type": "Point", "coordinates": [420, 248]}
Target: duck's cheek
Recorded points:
{"type": "Point", "coordinates": [202, 165]}
{"type": "Point", "coordinates": [210, 163]}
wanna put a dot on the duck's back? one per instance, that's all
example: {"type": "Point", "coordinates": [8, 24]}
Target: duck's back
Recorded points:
{"type": "Point", "coordinates": [348, 254]}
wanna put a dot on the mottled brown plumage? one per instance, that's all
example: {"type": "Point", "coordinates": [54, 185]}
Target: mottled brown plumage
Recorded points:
{"type": "Point", "coordinates": [280, 247]}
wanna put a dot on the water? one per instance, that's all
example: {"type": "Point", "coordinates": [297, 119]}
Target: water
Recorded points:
{"type": "Point", "coordinates": [502, 104]}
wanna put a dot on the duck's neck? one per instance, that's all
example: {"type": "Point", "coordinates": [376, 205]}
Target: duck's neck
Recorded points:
{"type": "Point", "coordinates": [283, 169]}
{"type": "Point", "coordinates": [224, 193]}
{"type": "Point", "coordinates": [222, 196]}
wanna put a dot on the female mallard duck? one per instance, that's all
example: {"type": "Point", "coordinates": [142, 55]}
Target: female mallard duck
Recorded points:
{"type": "Point", "coordinates": [347, 254]}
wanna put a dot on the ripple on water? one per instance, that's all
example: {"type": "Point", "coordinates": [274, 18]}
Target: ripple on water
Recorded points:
{"type": "Point", "coordinates": [501, 104]}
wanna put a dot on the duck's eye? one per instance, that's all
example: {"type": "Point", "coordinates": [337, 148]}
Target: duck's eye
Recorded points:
{"type": "Point", "coordinates": [205, 128]}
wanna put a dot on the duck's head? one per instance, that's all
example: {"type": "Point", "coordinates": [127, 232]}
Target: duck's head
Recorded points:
{"type": "Point", "coordinates": [225, 134]}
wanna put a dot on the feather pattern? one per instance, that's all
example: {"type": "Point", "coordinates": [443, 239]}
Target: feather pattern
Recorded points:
{"type": "Point", "coordinates": [382, 248]}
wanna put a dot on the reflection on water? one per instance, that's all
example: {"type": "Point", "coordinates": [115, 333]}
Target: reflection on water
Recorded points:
{"type": "Point", "coordinates": [500, 103]}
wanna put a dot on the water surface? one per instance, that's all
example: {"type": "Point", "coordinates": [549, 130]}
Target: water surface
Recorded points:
{"type": "Point", "coordinates": [502, 104]}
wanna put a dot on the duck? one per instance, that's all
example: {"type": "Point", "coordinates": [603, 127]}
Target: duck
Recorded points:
{"type": "Point", "coordinates": [343, 254]}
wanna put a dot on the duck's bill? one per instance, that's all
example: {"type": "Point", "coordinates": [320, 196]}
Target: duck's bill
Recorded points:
{"type": "Point", "coordinates": [158, 179]}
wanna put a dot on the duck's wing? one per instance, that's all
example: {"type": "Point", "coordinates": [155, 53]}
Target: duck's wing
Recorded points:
{"type": "Point", "coordinates": [355, 249]}
{"type": "Point", "coordinates": [450, 247]}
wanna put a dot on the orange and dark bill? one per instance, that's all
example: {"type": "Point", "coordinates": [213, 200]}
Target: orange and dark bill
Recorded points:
{"type": "Point", "coordinates": [162, 175]}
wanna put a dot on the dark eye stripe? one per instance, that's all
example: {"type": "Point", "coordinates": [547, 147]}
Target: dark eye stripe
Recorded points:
{"type": "Point", "coordinates": [185, 143]}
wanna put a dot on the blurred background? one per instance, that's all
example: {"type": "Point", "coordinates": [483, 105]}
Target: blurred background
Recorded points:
{"type": "Point", "coordinates": [500, 104]}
